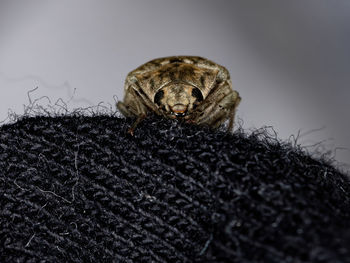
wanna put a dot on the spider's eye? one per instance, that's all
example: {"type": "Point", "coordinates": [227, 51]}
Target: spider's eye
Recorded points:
{"type": "Point", "coordinates": [197, 94]}
{"type": "Point", "coordinates": [159, 95]}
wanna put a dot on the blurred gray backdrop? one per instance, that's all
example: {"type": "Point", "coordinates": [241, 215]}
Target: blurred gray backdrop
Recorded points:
{"type": "Point", "coordinates": [289, 60]}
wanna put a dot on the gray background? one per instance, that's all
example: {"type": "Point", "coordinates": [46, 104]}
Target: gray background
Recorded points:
{"type": "Point", "coordinates": [289, 60]}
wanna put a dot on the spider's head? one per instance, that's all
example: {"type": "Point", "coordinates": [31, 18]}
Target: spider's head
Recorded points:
{"type": "Point", "coordinates": [177, 100]}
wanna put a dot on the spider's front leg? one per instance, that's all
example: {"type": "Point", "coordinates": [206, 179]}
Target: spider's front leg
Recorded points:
{"type": "Point", "coordinates": [219, 106]}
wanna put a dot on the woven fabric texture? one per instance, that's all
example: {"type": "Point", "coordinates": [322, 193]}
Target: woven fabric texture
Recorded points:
{"type": "Point", "coordinates": [80, 189]}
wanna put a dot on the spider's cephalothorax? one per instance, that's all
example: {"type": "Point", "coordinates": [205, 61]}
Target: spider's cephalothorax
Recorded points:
{"type": "Point", "coordinates": [184, 87]}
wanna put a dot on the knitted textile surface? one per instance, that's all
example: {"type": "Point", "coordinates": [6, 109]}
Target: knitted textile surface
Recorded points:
{"type": "Point", "coordinates": [80, 189]}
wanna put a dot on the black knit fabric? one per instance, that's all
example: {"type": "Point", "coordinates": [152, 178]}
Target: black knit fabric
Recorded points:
{"type": "Point", "coordinates": [80, 189]}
